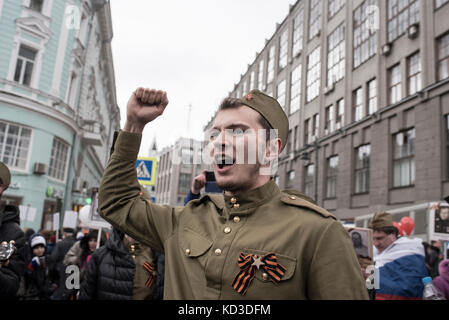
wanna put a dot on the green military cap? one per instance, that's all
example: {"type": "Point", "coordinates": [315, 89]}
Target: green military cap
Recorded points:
{"type": "Point", "coordinates": [271, 110]}
{"type": "Point", "coordinates": [5, 175]}
{"type": "Point", "coordinates": [381, 219]}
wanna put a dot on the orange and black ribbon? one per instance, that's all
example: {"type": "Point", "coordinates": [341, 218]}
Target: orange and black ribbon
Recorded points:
{"type": "Point", "coordinates": [147, 266]}
{"type": "Point", "coordinates": [243, 279]}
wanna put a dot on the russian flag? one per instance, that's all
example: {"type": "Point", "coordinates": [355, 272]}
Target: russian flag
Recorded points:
{"type": "Point", "coordinates": [401, 267]}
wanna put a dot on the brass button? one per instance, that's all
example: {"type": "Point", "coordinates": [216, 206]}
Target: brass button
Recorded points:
{"type": "Point", "coordinates": [227, 230]}
{"type": "Point", "coordinates": [134, 257]}
{"type": "Point", "coordinates": [265, 276]}
{"type": "Point", "coordinates": [236, 206]}
{"type": "Point", "coordinates": [132, 249]}
{"type": "Point", "coordinates": [233, 200]}
{"type": "Point", "coordinates": [217, 252]}
{"type": "Point", "coordinates": [293, 198]}
{"type": "Point", "coordinates": [236, 219]}
{"type": "Point", "coordinates": [187, 252]}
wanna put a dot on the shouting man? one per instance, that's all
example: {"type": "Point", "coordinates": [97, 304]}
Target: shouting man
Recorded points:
{"type": "Point", "coordinates": [252, 242]}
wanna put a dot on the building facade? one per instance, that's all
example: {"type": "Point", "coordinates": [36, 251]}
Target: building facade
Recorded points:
{"type": "Point", "coordinates": [365, 85]}
{"type": "Point", "coordinates": [58, 106]}
{"type": "Point", "coordinates": [177, 166]}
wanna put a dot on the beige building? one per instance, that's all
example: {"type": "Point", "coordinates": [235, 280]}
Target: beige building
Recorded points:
{"type": "Point", "coordinates": [177, 166]}
{"type": "Point", "coordinates": [365, 84]}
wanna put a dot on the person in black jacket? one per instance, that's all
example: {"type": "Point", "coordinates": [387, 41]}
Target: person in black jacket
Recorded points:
{"type": "Point", "coordinates": [57, 256]}
{"type": "Point", "coordinates": [12, 271]}
{"type": "Point", "coordinates": [110, 272]}
{"type": "Point", "coordinates": [38, 280]}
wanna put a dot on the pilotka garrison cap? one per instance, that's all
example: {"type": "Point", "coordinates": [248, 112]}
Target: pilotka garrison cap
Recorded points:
{"type": "Point", "coordinates": [5, 175]}
{"type": "Point", "coordinates": [271, 110]}
{"type": "Point", "coordinates": [381, 219]}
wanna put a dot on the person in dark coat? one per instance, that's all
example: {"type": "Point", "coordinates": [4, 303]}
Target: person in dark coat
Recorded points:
{"type": "Point", "coordinates": [12, 270]}
{"type": "Point", "coordinates": [57, 255]}
{"type": "Point", "coordinates": [110, 272]}
{"type": "Point", "coordinates": [38, 284]}
{"type": "Point", "coordinates": [433, 257]}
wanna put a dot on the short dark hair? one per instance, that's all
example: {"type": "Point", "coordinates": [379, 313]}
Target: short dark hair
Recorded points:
{"type": "Point", "coordinates": [232, 103]}
{"type": "Point", "coordinates": [388, 230]}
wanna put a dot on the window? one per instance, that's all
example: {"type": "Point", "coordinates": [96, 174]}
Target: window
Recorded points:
{"type": "Point", "coordinates": [58, 159]}
{"type": "Point", "coordinates": [340, 118]}
{"type": "Point", "coordinates": [443, 57]}
{"type": "Point", "coordinates": [184, 182]}
{"type": "Point", "coordinates": [283, 49]}
{"type": "Point", "coordinates": [332, 173]}
{"type": "Point", "coordinates": [372, 96]}
{"type": "Point", "coordinates": [313, 74]}
{"type": "Point", "coordinates": [276, 180]}
{"type": "Point", "coordinates": [36, 5]}
{"type": "Point", "coordinates": [298, 32]}
{"type": "Point", "coordinates": [308, 181]}
{"type": "Point", "coordinates": [260, 76]}
{"type": "Point", "coordinates": [296, 139]}
{"type": "Point", "coordinates": [252, 80]}
{"type": "Point", "coordinates": [291, 177]}
{"type": "Point", "coordinates": [307, 131]}
{"type": "Point", "coordinates": [336, 55]}
{"type": "Point", "coordinates": [316, 123]}
{"type": "Point", "coordinates": [365, 38]}
{"type": "Point", "coordinates": [335, 6]}
{"type": "Point", "coordinates": [358, 104]}
{"type": "Point", "coordinates": [14, 145]}
{"type": "Point", "coordinates": [270, 71]}
{"type": "Point", "coordinates": [440, 3]}
{"type": "Point", "coordinates": [244, 87]}
{"type": "Point", "coordinates": [187, 156]}
{"type": "Point", "coordinates": [315, 18]}
{"type": "Point", "coordinates": [414, 74]}
{"type": "Point", "coordinates": [329, 117]}
{"type": "Point", "coordinates": [281, 93]}
{"type": "Point", "coordinates": [395, 84]}
{"type": "Point", "coordinates": [401, 14]}
{"type": "Point", "coordinates": [24, 66]}
{"type": "Point", "coordinates": [361, 175]}
{"type": "Point", "coordinates": [295, 89]}
{"type": "Point", "coordinates": [404, 158]}
{"type": "Point", "coordinates": [289, 142]}
{"type": "Point", "coordinates": [447, 146]}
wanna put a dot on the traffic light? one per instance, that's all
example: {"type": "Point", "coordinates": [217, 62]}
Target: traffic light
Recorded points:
{"type": "Point", "coordinates": [92, 192]}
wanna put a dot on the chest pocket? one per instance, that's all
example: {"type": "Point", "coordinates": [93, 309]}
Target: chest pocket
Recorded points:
{"type": "Point", "coordinates": [193, 244]}
{"type": "Point", "coordinates": [289, 263]}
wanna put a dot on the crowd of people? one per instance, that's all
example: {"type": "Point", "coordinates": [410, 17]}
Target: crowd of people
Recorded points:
{"type": "Point", "coordinates": [118, 267]}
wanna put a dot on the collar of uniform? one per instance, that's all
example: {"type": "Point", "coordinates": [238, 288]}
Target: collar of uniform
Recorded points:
{"type": "Point", "coordinates": [244, 203]}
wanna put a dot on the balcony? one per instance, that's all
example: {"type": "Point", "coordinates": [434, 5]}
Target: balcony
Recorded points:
{"type": "Point", "coordinates": [92, 132]}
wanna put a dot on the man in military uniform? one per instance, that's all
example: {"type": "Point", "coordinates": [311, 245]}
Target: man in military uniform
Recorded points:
{"type": "Point", "coordinates": [252, 242]}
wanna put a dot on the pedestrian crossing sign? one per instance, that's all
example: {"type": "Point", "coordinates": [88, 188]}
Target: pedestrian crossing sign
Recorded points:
{"type": "Point", "coordinates": [146, 170]}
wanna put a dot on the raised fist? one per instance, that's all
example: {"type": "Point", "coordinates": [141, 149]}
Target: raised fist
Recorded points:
{"type": "Point", "coordinates": [198, 183]}
{"type": "Point", "coordinates": [144, 106]}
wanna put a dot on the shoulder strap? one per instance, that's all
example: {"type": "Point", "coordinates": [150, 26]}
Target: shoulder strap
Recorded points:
{"type": "Point", "coordinates": [296, 198]}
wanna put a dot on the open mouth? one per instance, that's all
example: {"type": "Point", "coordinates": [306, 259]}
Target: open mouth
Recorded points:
{"type": "Point", "coordinates": [224, 161]}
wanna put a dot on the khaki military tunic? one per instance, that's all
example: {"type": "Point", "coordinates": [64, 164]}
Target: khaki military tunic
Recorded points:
{"type": "Point", "coordinates": [203, 241]}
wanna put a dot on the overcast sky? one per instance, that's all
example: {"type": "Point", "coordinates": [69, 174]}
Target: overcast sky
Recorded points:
{"type": "Point", "coordinates": [195, 50]}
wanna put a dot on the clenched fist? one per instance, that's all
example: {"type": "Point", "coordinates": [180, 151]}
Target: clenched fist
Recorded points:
{"type": "Point", "coordinates": [198, 183]}
{"type": "Point", "coordinates": [144, 106]}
